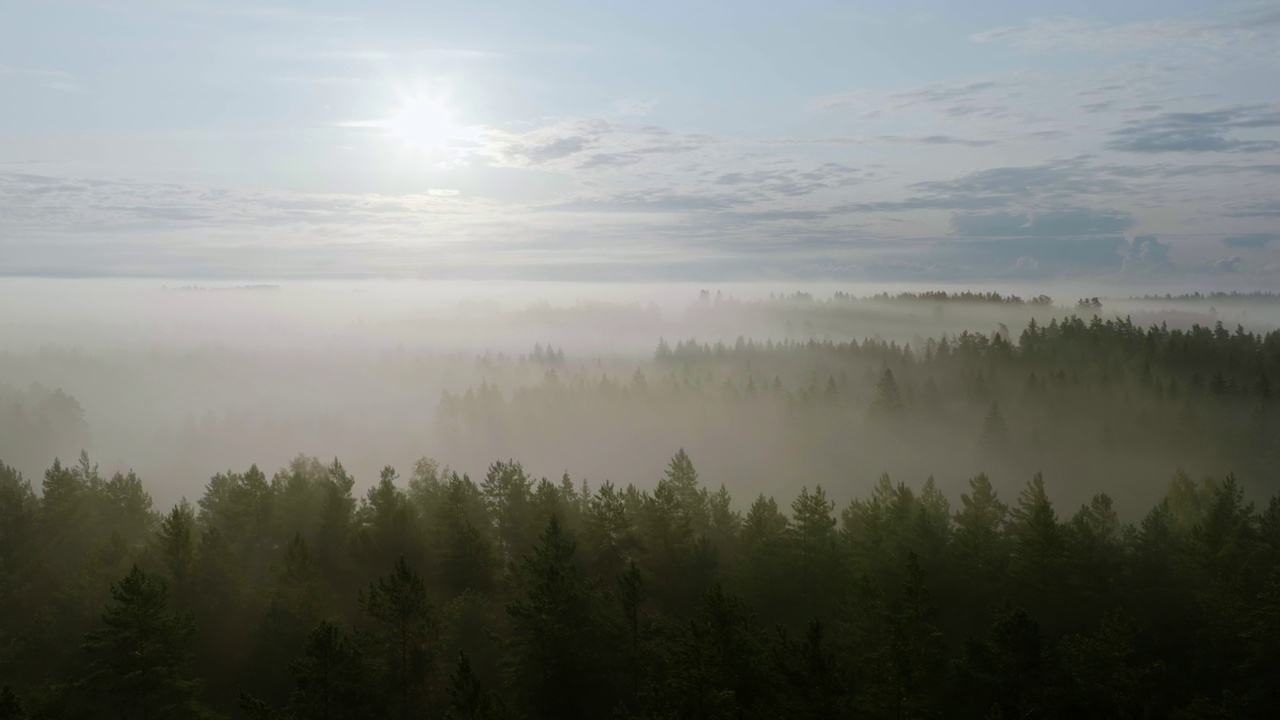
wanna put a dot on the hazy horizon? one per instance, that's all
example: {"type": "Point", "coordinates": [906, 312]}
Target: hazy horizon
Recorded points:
{"type": "Point", "coordinates": [180, 380]}
{"type": "Point", "coordinates": [920, 142]}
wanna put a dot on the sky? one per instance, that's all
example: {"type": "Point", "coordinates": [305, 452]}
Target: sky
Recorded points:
{"type": "Point", "coordinates": [571, 140]}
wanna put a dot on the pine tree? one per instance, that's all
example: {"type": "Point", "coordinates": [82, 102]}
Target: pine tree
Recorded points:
{"type": "Point", "coordinates": [468, 699]}
{"type": "Point", "coordinates": [980, 525]}
{"type": "Point", "coordinates": [388, 523]}
{"type": "Point", "coordinates": [994, 432]}
{"type": "Point", "coordinates": [139, 661]}
{"type": "Point", "coordinates": [726, 523]}
{"type": "Point", "coordinates": [558, 643]}
{"type": "Point", "coordinates": [887, 406]}
{"type": "Point", "coordinates": [507, 494]}
{"type": "Point", "coordinates": [815, 680]}
{"type": "Point", "coordinates": [176, 543]}
{"type": "Point", "coordinates": [329, 677]}
{"type": "Point", "coordinates": [631, 593]}
{"type": "Point", "coordinates": [1039, 547]}
{"type": "Point", "coordinates": [813, 533]}
{"type": "Point", "coordinates": [689, 498]}
{"type": "Point", "coordinates": [404, 637]}
{"type": "Point", "coordinates": [1001, 675]}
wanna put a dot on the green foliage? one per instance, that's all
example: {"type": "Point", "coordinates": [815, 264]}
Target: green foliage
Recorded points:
{"type": "Point", "coordinates": [329, 677]}
{"type": "Point", "coordinates": [559, 637]}
{"type": "Point", "coordinates": [468, 698]}
{"type": "Point", "coordinates": [668, 603]}
{"type": "Point", "coordinates": [139, 663]}
{"type": "Point", "coordinates": [403, 638]}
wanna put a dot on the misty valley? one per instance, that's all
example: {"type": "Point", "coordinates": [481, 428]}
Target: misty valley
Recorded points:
{"type": "Point", "coordinates": [375, 500]}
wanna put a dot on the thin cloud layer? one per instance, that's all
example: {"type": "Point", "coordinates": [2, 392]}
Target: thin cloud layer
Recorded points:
{"type": "Point", "coordinates": [516, 146]}
{"type": "Point", "coordinates": [1197, 132]}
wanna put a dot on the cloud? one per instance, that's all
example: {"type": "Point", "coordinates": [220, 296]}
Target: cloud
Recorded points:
{"type": "Point", "coordinates": [1145, 252]}
{"type": "Point", "coordinates": [1057, 178]}
{"type": "Point", "coordinates": [1254, 240]}
{"type": "Point", "coordinates": [1229, 264]}
{"type": "Point", "coordinates": [793, 182]}
{"type": "Point", "coordinates": [649, 200]}
{"type": "Point", "coordinates": [1065, 181]}
{"type": "Point", "coordinates": [982, 97]}
{"type": "Point", "coordinates": [1263, 209]}
{"type": "Point", "coordinates": [888, 140]}
{"type": "Point", "coordinates": [43, 205]}
{"type": "Point", "coordinates": [633, 107]}
{"type": "Point", "coordinates": [1072, 222]}
{"type": "Point", "coordinates": [1065, 33]}
{"type": "Point", "coordinates": [929, 94]}
{"type": "Point", "coordinates": [552, 149]}
{"type": "Point", "coordinates": [1197, 131]}
{"type": "Point", "coordinates": [1057, 254]}
{"type": "Point", "coordinates": [60, 80]}
{"type": "Point", "coordinates": [954, 259]}
{"type": "Point", "coordinates": [588, 143]}
{"type": "Point", "coordinates": [1192, 170]}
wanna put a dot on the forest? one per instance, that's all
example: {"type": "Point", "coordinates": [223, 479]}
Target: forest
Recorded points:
{"type": "Point", "coordinates": [437, 596]}
{"type": "Point", "coordinates": [1004, 508]}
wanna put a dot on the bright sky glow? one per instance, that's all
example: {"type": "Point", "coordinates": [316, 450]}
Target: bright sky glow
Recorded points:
{"type": "Point", "coordinates": [901, 141]}
{"type": "Point", "coordinates": [424, 122]}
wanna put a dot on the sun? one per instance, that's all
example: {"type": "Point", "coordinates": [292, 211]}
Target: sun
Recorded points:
{"type": "Point", "coordinates": [424, 121]}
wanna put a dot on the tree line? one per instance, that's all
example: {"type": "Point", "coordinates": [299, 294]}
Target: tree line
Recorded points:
{"type": "Point", "coordinates": [438, 596]}
{"type": "Point", "coordinates": [1108, 403]}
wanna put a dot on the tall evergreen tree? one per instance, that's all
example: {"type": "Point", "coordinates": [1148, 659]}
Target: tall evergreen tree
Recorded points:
{"type": "Point", "coordinates": [330, 678]}
{"type": "Point", "coordinates": [468, 698]}
{"type": "Point", "coordinates": [887, 406]}
{"type": "Point", "coordinates": [404, 637]}
{"type": "Point", "coordinates": [558, 639]}
{"type": "Point", "coordinates": [139, 662]}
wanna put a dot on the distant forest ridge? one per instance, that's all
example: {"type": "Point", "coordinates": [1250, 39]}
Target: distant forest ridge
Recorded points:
{"type": "Point", "coordinates": [1234, 296]}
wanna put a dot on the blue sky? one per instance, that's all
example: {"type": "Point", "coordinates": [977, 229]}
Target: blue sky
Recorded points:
{"type": "Point", "coordinates": [659, 140]}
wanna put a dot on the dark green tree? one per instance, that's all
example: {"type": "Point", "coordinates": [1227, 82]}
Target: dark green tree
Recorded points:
{"type": "Point", "coordinates": [558, 647]}
{"type": "Point", "coordinates": [468, 698]}
{"type": "Point", "coordinates": [404, 638]}
{"type": "Point", "coordinates": [887, 406]}
{"type": "Point", "coordinates": [139, 664]}
{"type": "Point", "coordinates": [330, 678]}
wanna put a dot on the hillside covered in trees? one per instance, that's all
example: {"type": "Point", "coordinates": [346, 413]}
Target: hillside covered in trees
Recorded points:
{"type": "Point", "coordinates": [437, 596]}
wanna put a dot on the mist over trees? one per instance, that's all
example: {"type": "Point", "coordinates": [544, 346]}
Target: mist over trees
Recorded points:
{"type": "Point", "coordinates": [909, 505]}
{"type": "Point", "coordinates": [770, 390]}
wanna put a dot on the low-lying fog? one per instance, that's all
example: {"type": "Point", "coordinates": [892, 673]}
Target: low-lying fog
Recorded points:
{"type": "Point", "coordinates": [180, 382]}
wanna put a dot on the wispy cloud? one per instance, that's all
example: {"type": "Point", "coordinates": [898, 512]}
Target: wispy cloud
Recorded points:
{"type": "Point", "coordinates": [60, 80]}
{"type": "Point", "coordinates": [1252, 240]}
{"type": "Point", "coordinates": [1067, 222]}
{"type": "Point", "coordinates": [1256, 26]}
{"type": "Point", "coordinates": [1197, 131]}
{"type": "Point", "coordinates": [979, 96]}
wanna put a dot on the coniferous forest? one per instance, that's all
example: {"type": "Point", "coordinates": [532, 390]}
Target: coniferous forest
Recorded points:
{"type": "Point", "coordinates": [431, 593]}
{"type": "Point", "coordinates": [660, 360]}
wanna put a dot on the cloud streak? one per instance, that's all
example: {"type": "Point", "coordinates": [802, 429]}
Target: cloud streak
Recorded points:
{"type": "Point", "coordinates": [1197, 131]}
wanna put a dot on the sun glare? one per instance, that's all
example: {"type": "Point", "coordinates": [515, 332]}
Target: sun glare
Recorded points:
{"type": "Point", "coordinates": [424, 121]}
